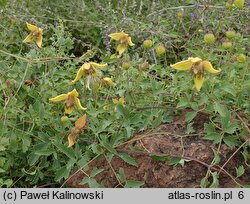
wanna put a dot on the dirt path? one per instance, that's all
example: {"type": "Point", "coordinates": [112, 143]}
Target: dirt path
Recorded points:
{"type": "Point", "coordinates": [170, 139]}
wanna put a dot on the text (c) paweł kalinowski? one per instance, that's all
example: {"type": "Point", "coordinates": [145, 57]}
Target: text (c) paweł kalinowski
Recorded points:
{"type": "Point", "coordinates": [96, 195]}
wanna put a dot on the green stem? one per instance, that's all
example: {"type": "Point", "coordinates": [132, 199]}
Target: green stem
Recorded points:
{"type": "Point", "coordinates": [96, 98]}
{"type": "Point", "coordinates": [127, 80]}
{"type": "Point", "coordinates": [165, 59]}
{"type": "Point", "coordinates": [143, 54]}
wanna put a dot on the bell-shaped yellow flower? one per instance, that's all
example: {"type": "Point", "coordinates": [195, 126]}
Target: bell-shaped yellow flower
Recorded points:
{"type": "Point", "coordinates": [124, 41]}
{"type": "Point", "coordinates": [80, 124]}
{"type": "Point", "coordinates": [35, 35]}
{"type": "Point", "coordinates": [197, 66]}
{"type": "Point", "coordinates": [88, 68]}
{"type": "Point", "coordinates": [70, 100]}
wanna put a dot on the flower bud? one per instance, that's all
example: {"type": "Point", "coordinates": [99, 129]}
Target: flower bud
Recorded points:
{"type": "Point", "coordinates": [64, 119]}
{"type": "Point", "coordinates": [108, 81]}
{"type": "Point", "coordinates": [209, 38]}
{"type": "Point", "coordinates": [180, 13]}
{"type": "Point", "coordinates": [230, 34]}
{"type": "Point", "coordinates": [144, 66]}
{"type": "Point", "coordinates": [241, 58]}
{"type": "Point", "coordinates": [160, 50]}
{"type": "Point", "coordinates": [125, 65]}
{"type": "Point", "coordinates": [147, 44]}
{"type": "Point", "coordinates": [239, 3]}
{"type": "Point", "coordinates": [227, 45]}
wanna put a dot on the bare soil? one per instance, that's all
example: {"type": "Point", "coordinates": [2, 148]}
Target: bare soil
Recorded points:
{"type": "Point", "coordinates": [169, 139]}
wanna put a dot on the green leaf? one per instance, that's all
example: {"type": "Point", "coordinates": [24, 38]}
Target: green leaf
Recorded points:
{"type": "Point", "coordinates": [211, 133]}
{"type": "Point", "coordinates": [222, 110]}
{"type": "Point", "coordinates": [215, 183]}
{"type": "Point", "coordinates": [2, 170]}
{"type": "Point", "coordinates": [67, 151]}
{"type": "Point", "coordinates": [84, 180]}
{"type": "Point", "coordinates": [2, 161]}
{"type": "Point", "coordinates": [215, 137]}
{"type": "Point", "coordinates": [216, 157]}
{"type": "Point", "coordinates": [190, 128]}
{"type": "Point", "coordinates": [4, 141]}
{"type": "Point", "coordinates": [122, 110]}
{"type": "Point", "coordinates": [229, 89]}
{"type": "Point", "coordinates": [26, 141]}
{"type": "Point", "coordinates": [93, 183]}
{"type": "Point", "coordinates": [70, 163]}
{"type": "Point", "coordinates": [133, 184]}
{"type": "Point", "coordinates": [231, 141]}
{"type": "Point", "coordinates": [61, 173]}
{"type": "Point", "coordinates": [128, 130]}
{"type": "Point", "coordinates": [194, 106]}
{"type": "Point", "coordinates": [41, 111]}
{"type": "Point", "coordinates": [121, 175]}
{"type": "Point", "coordinates": [84, 160]}
{"type": "Point", "coordinates": [136, 119]}
{"type": "Point", "coordinates": [209, 127]}
{"type": "Point", "coordinates": [245, 154]}
{"type": "Point", "coordinates": [33, 158]}
{"type": "Point", "coordinates": [109, 147]}
{"type": "Point", "coordinates": [175, 161]}
{"type": "Point", "coordinates": [182, 103]}
{"type": "Point", "coordinates": [190, 116]}
{"type": "Point", "coordinates": [125, 157]}
{"type": "Point", "coordinates": [8, 182]}
{"type": "Point", "coordinates": [109, 156]}
{"type": "Point", "coordinates": [225, 121]}
{"type": "Point", "coordinates": [204, 182]}
{"type": "Point", "coordinates": [160, 157]}
{"type": "Point", "coordinates": [45, 152]}
{"type": "Point", "coordinates": [240, 171]}
{"type": "Point", "coordinates": [231, 128]}
{"type": "Point", "coordinates": [95, 171]}
{"type": "Point", "coordinates": [203, 100]}
{"type": "Point", "coordinates": [103, 126]}
{"type": "Point", "coordinates": [96, 148]}
{"type": "Point", "coordinates": [29, 172]}
{"type": "Point", "coordinates": [157, 121]}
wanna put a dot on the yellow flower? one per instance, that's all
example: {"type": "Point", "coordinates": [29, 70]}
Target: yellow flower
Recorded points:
{"type": "Point", "coordinates": [88, 68]}
{"type": "Point", "coordinates": [144, 66]}
{"type": "Point", "coordinates": [124, 41]}
{"type": "Point", "coordinates": [70, 100]}
{"type": "Point", "coordinates": [197, 66]}
{"type": "Point", "coordinates": [80, 124]}
{"type": "Point", "coordinates": [106, 107]}
{"type": "Point", "coordinates": [108, 80]}
{"type": "Point", "coordinates": [36, 35]}
{"type": "Point", "coordinates": [120, 101]}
